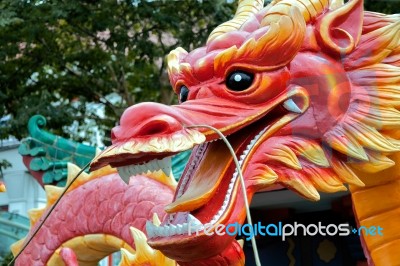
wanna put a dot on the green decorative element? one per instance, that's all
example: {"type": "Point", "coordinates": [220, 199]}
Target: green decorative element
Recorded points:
{"type": "Point", "coordinates": [179, 162]}
{"type": "Point", "coordinates": [62, 183]}
{"type": "Point", "coordinates": [53, 153]}
{"type": "Point", "coordinates": [54, 176]}
{"type": "Point", "coordinates": [43, 164]}
{"type": "Point", "coordinates": [29, 147]}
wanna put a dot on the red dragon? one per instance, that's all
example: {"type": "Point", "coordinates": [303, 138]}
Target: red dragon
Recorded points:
{"type": "Point", "coordinates": [307, 93]}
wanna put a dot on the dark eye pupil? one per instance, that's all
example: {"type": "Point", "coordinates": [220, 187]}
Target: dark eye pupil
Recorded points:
{"type": "Point", "coordinates": [183, 95]}
{"type": "Point", "coordinates": [239, 80]}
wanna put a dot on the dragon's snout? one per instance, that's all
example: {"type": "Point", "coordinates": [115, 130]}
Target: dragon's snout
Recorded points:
{"type": "Point", "coordinates": [147, 120]}
{"type": "Point", "coordinates": [154, 126]}
{"type": "Point", "coordinates": [148, 131]}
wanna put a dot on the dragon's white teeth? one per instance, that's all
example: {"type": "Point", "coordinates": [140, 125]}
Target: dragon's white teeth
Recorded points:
{"type": "Point", "coordinates": [155, 165]}
{"type": "Point", "coordinates": [165, 165]}
{"type": "Point", "coordinates": [134, 169]}
{"type": "Point", "coordinates": [124, 174]}
{"type": "Point", "coordinates": [168, 229]}
{"type": "Point", "coordinates": [150, 229]}
{"type": "Point", "coordinates": [290, 105]}
{"type": "Point", "coordinates": [173, 230]}
{"type": "Point", "coordinates": [193, 221]}
{"type": "Point", "coordinates": [185, 227]}
{"type": "Point", "coordinates": [142, 169]}
{"type": "Point", "coordinates": [179, 229]}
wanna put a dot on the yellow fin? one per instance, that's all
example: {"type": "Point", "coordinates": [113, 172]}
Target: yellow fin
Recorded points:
{"type": "Point", "coordinates": [17, 246]}
{"type": "Point", "coordinates": [285, 155]}
{"type": "Point", "coordinates": [144, 254]}
{"type": "Point", "coordinates": [34, 215]}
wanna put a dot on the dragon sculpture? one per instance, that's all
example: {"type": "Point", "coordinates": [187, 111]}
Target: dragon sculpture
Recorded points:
{"type": "Point", "coordinates": [307, 93]}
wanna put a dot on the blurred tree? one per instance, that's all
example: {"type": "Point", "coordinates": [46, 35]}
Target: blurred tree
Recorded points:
{"type": "Point", "coordinates": [383, 6]}
{"type": "Point", "coordinates": [67, 60]}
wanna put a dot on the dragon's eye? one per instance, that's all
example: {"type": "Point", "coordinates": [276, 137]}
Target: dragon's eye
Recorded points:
{"type": "Point", "coordinates": [183, 94]}
{"type": "Point", "coordinates": [239, 80]}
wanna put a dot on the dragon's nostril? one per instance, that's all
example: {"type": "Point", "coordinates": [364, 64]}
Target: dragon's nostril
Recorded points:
{"type": "Point", "coordinates": [158, 125]}
{"type": "Point", "coordinates": [154, 128]}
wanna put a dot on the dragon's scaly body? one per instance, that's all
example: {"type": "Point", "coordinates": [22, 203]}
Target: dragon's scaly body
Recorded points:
{"type": "Point", "coordinates": [307, 92]}
{"type": "Point", "coordinates": [94, 219]}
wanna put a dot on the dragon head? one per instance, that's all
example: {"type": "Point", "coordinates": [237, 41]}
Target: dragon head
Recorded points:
{"type": "Point", "coordinates": [306, 92]}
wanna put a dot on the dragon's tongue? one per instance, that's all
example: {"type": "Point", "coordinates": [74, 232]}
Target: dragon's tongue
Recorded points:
{"type": "Point", "coordinates": [206, 179]}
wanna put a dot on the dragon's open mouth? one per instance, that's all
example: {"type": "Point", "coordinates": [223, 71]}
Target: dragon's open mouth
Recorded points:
{"type": "Point", "coordinates": [209, 174]}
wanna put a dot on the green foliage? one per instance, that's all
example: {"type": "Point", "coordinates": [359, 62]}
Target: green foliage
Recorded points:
{"type": "Point", "coordinates": [383, 6]}
{"type": "Point", "coordinates": [57, 56]}
{"type": "Point", "coordinates": [4, 164]}
{"type": "Point", "coordinates": [7, 259]}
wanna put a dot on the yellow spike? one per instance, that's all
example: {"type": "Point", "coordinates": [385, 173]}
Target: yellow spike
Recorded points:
{"type": "Point", "coordinates": [173, 59]}
{"type": "Point", "coordinates": [250, 47]}
{"type": "Point", "coordinates": [384, 75]}
{"type": "Point", "coordinates": [285, 155]}
{"type": "Point", "coordinates": [140, 241]}
{"type": "Point", "coordinates": [245, 10]}
{"type": "Point", "coordinates": [161, 177]}
{"type": "Point", "coordinates": [302, 186]}
{"type": "Point", "coordinates": [377, 162]}
{"type": "Point", "coordinates": [386, 95]}
{"type": "Point", "coordinates": [223, 59]}
{"type": "Point", "coordinates": [264, 175]}
{"type": "Point", "coordinates": [34, 215]}
{"type": "Point", "coordinates": [73, 170]}
{"type": "Point", "coordinates": [379, 117]}
{"type": "Point", "coordinates": [52, 193]}
{"type": "Point", "coordinates": [310, 151]}
{"type": "Point", "coordinates": [394, 141]}
{"type": "Point", "coordinates": [127, 258]}
{"type": "Point", "coordinates": [241, 242]}
{"type": "Point", "coordinates": [369, 137]}
{"type": "Point", "coordinates": [324, 181]}
{"type": "Point", "coordinates": [17, 246]}
{"type": "Point", "coordinates": [384, 41]}
{"type": "Point", "coordinates": [345, 173]}
{"type": "Point", "coordinates": [343, 142]}
{"type": "Point", "coordinates": [156, 220]}
{"type": "Point", "coordinates": [145, 255]}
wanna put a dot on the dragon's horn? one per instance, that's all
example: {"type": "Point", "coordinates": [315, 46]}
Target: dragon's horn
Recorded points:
{"type": "Point", "coordinates": [289, 18]}
{"type": "Point", "coordinates": [309, 9]}
{"type": "Point", "coordinates": [245, 9]}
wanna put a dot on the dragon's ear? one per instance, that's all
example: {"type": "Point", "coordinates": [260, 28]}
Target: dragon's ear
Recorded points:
{"type": "Point", "coordinates": [340, 30]}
